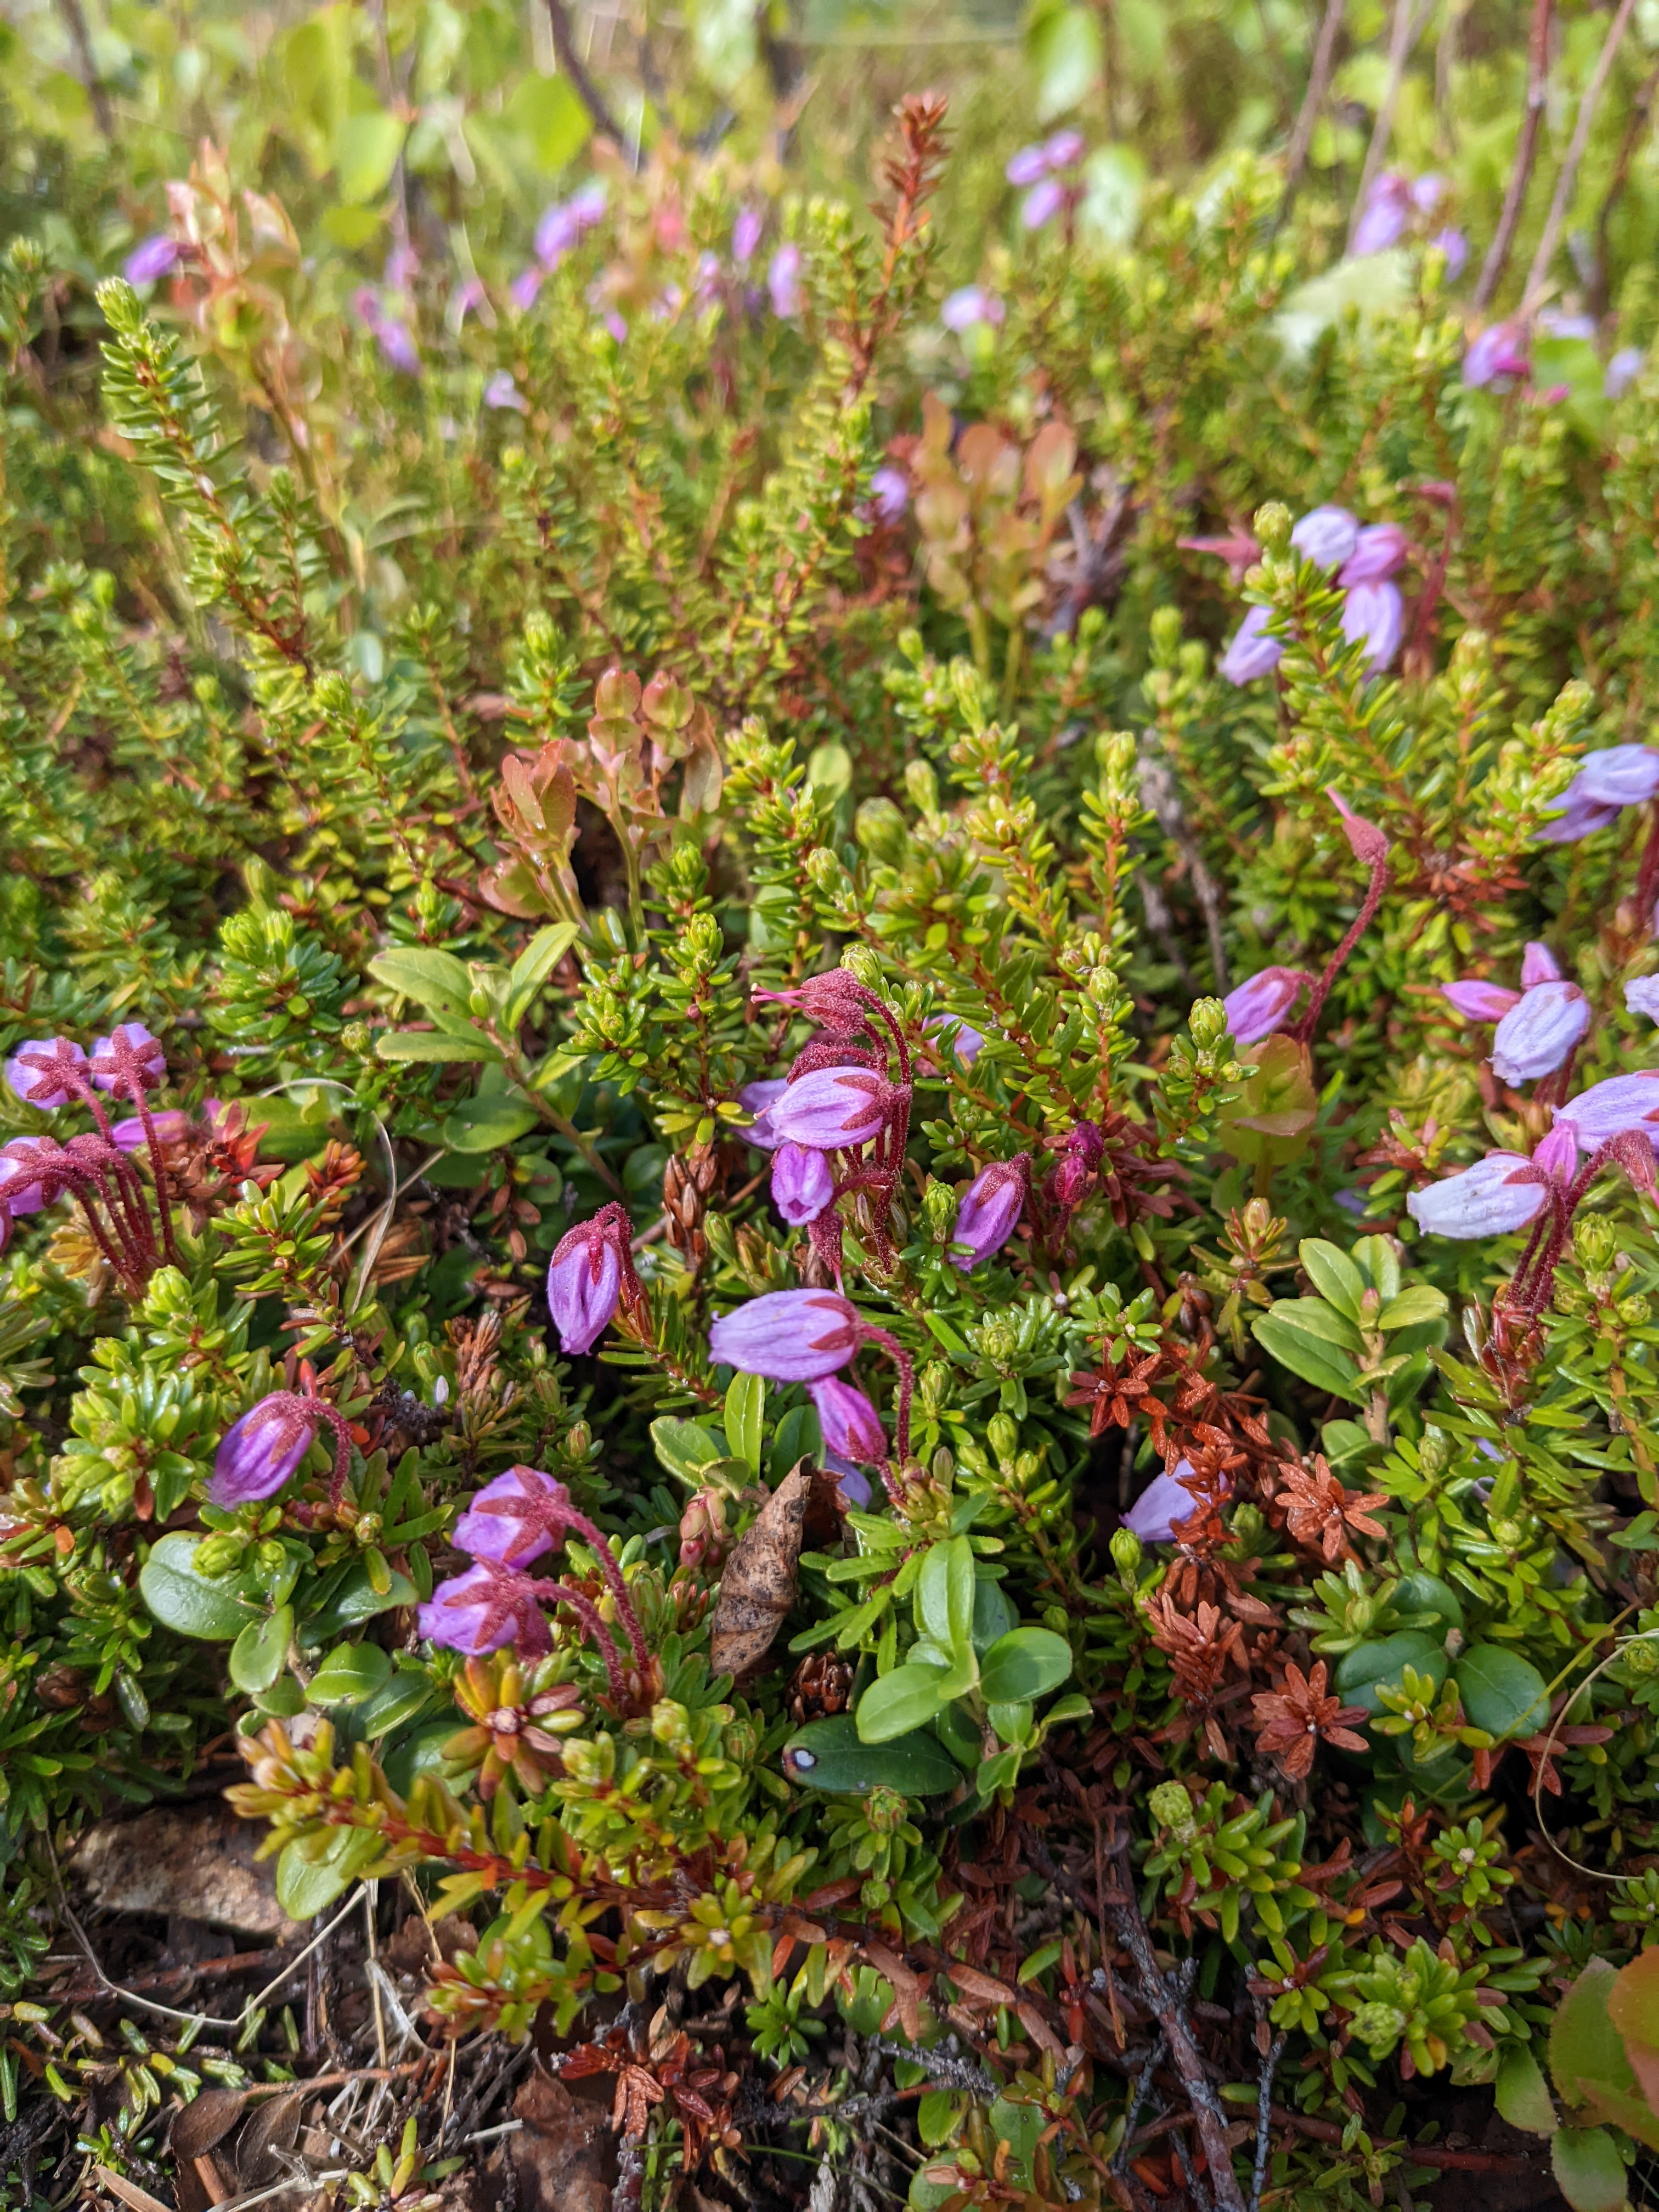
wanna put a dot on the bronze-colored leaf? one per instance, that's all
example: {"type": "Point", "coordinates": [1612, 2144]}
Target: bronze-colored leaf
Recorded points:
{"type": "Point", "coordinates": [271, 2130]}
{"type": "Point", "coordinates": [758, 1587]}
{"type": "Point", "coordinates": [207, 2119]}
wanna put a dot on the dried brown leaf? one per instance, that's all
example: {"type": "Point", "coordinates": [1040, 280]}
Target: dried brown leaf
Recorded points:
{"type": "Point", "coordinates": [758, 1587]}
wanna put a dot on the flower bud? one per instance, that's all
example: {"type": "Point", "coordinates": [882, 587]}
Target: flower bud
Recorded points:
{"type": "Point", "coordinates": [585, 1277]}
{"type": "Point", "coordinates": [1125, 1546]}
{"type": "Point", "coordinates": [990, 1210]}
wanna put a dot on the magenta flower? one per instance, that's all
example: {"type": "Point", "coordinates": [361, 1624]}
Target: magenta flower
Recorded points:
{"type": "Point", "coordinates": [967, 1042]}
{"type": "Point", "coordinates": [156, 258]}
{"type": "Point", "coordinates": [1378, 551]}
{"type": "Point", "coordinates": [889, 494]}
{"type": "Point", "coordinates": [1251, 652]}
{"type": "Point", "coordinates": [1538, 1026]}
{"type": "Point", "coordinates": [1028, 166]}
{"type": "Point", "coordinates": [1326, 536]}
{"type": "Point", "coordinates": [21, 1187]}
{"type": "Point", "coordinates": [835, 1108]}
{"type": "Point", "coordinates": [263, 1449]}
{"type": "Point", "coordinates": [47, 1072]}
{"type": "Point", "coordinates": [1374, 615]}
{"type": "Point", "coordinates": [1255, 1008]}
{"type": "Point", "coordinates": [760, 1098]}
{"type": "Point", "coordinates": [484, 1608]}
{"type": "Point", "coordinates": [969, 306]}
{"type": "Point", "coordinates": [1642, 997]}
{"type": "Point", "coordinates": [524, 286]}
{"type": "Point", "coordinates": [1387, 211]}
{"type": "Point", "coordinates": [783, 281]}
{"type": "Point", "coordinates": [802, 1185]}
{"type": "Point", "coordinates": [567, 222]}
{"type": "Point", "coordinates": [1499, 1195]}
{"type": "Point", "coordinates": [1041, 204]}
{"type": "Point", "coordinates": [849, 1423]}
{"type": "Point", "coordinates": [1499, 351]}
{"type": "Point", "coordinates": [788, 1336]}
{"type": "Point", "coordinates": [591, 1267]}
{"type": "Point", "coordinates": [1607, 1109]}
{"type": "Point", "coordinates": [132, 1056]}
{"type": "Point", "coordinates": [169, 1126]}
{"type": "Point", "coordinates": [516, 1518]}
{"type": "Point", "coordinates": [501, 392]}
{"type": "Point", "coordinates": [1165, 1501]}
{"type": "Point", "coordinates": [990, 1210]}
{"type": "Point", "coordinates": [746, 235]}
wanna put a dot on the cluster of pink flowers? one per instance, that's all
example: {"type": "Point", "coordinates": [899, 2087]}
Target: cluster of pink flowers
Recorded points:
{"type": "Point", "coordinates": [508, 1524]}
{"type": "Point", "coordinates": [95, 1170]}
{"type": "Point", "coordinates": [1366, 559]}
{"type": "Point", "coordinates": [1396, 204]}
{"type": "Point", "coordinates": [1047, 173]}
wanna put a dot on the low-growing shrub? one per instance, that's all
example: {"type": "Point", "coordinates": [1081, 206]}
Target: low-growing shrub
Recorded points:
{"type": "Point", "coordinates": [830, 1178]}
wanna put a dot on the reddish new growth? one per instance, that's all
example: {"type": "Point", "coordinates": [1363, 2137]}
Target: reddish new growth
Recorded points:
{"type": "Point", "coordinates": [1203, 1649]}
{"type": "Point", "coordinates": [1299, 1714]}
{"type": "Point", "coordinates": [1318, 1513]}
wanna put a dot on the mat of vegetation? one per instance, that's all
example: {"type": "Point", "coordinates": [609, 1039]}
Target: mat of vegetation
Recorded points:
{"type": "Point", "coordinates": [829, 1334]}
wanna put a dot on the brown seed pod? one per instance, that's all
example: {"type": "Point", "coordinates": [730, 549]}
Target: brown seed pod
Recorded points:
{"type": "Point", "coordinates": [821, 1686]}
{"type": "Point", "coordinates": [758, 1587]}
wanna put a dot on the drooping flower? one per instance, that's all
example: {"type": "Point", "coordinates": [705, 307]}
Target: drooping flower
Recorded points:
{"type": "Point", "coordinates": [746, 235]}
{"type": "Point", "coordinates": [20, 1189]}
{"type": "Point", "coordinates": [1499, 351]}
{"type": "Point", "coordinates": [1379, 551]}
{"type": "Point", "coordinates": [1607, 1109]}
{"type": "Point", "coordinates": [849, 1423]}
{"type": "Point", "coordinates": [1038, 170]}
{"type": "Point", "coordinates": [502, 392]}
{"type": "Point", "coordinates": [130, 1055]}
{"type": "Point", "coordinates": [1166, 1501]}
{"type": "Point", "coordinates": [1326, 536]}
{"type": "Point", "coordinates": [1538, 1026]}
{"type": "Point", "coordinates": [1619, 776]}
{"type": "Point", "coordinates": [1374, 615]}
{"type": "Point", "coordinates": [1256, 1007]}
{"type": "Point", "coordinates": [516, 1518]}
{"type": "Point", "coordinates": [1642, 997]}
{"type": "Point", "coordinates": [990, 1209]}
{"type": "Point", "coordinates": [47, 1072]}
{"type": "Point", "coordinates": [1251, 653]}
{"type": "Point", "coordinates": [968, 307]}
{"type": "Point", "coordinates": [788, 1336]}
{"type": "Point", "coordinates": [591, 1265]}
{"type": "Point", "coordinates": [1499, 1195]}
{"type": "Point", "coordinates": [802, 1185]}
{"type": "Point", "coordinates": [156, 258]}
{"type": "Point", "coordinates": [834, 1108]}
{"type": "Point", "coordinates": [484, 1608]}
{"type": "Point", "coordinates": [263, 1450]}
{"type": "Point", "coordinates": [1383, 219]}
{"type": "Point", "coordinates": [783, 281]}
{"type": "Point", "coordinates": [760, 1098]}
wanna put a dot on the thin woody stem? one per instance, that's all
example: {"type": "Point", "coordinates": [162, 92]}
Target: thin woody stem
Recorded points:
{"type": "Point", "coordinates": [578, 1524]}
{"type": "Point", "coordinates": [1303, 1030]}
{"type": "Point", "coordinates": [126, 1061]}
{"type": "Point", "coordinates": [588, 1614]}
{"type": "Point", "coordinates": [906, 1384]}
